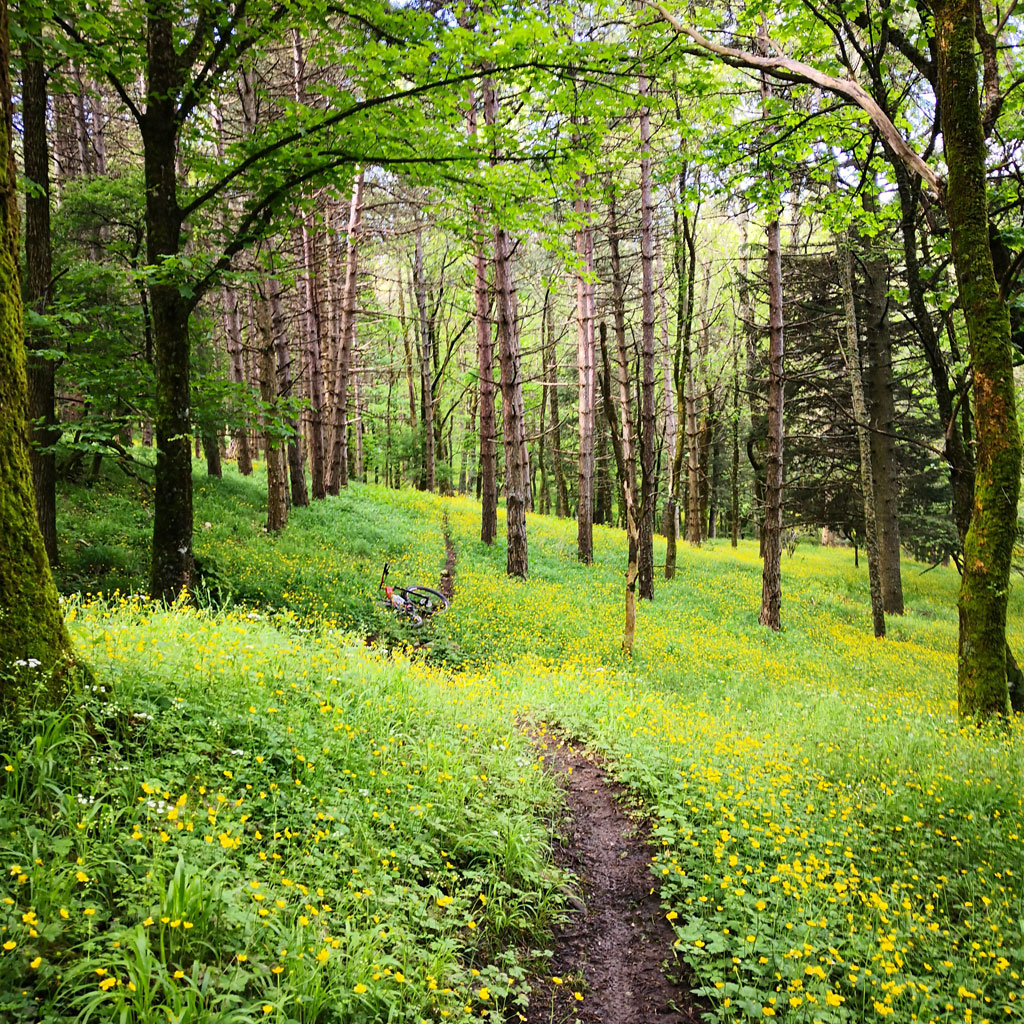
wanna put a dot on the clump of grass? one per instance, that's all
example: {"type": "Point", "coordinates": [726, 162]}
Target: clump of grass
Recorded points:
{"type": "Point", "coordinates": [246, 823]}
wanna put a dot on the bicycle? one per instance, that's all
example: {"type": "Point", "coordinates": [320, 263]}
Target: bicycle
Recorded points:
{"type": "Point", "coordinates": [416, 603]}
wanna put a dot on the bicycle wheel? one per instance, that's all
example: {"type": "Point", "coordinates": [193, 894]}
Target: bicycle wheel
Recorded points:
{"type": "Point", "coordinates": [425, 600]}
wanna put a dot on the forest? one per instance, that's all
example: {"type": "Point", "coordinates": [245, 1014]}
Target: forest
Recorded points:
{"type": "Point", "coordinates": [671, 352]}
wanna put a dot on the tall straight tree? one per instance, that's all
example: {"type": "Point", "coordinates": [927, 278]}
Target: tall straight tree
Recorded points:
{"type": "Point", "coordinates": [43, 433]}
{"type": "Point", "coordinates": [34, 642]}
{"type": "Point", "coordinates": [337, 462]}
{"type": "Point", "coordinates": [855, 361]}
{"type": "Point", "coordinates": [488, 475]}
{"type": "Point", "coordinates": [771, 576]}
{"type": "Point", "coordinates": [585, 373]}
{"type": "Point", "coordinates": [507, 326]}
{"type": "Point", "coordinates": [648, 426]}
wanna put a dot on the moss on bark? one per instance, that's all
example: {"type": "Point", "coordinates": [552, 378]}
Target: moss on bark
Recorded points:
{"type": "Point", "coordinates": [35, 650]}
{"type": "Point", "coordinates": [988, 546]}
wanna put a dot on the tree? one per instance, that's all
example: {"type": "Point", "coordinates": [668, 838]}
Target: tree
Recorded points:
{"type": "Point", "coordinates": [35, 648]}
{"type": "Point", "coordinates": [43, 434]}
{"type": "Point", "coordinates": [981, 665]}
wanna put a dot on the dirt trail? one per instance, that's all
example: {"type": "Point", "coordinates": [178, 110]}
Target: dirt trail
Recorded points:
{"type": "Point", "coordinates": [619, 939]}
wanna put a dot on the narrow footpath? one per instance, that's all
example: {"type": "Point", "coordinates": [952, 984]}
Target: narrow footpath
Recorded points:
{"type": "Point", "coordinates": [613, 948]}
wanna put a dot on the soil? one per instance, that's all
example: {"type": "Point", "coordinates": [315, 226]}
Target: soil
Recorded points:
{"type": "Point", "coordinates": [613, 947]}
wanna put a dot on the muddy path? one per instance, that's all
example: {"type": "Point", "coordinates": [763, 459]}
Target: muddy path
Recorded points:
{"type": "Point", "coordinates": [614, 945]}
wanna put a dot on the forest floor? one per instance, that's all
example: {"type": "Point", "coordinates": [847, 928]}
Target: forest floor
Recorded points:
{"type": "Point", "coordinates": [269, 821]}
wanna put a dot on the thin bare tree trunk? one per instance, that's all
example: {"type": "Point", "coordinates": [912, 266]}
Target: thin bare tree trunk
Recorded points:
{"type": "Point", "coordinates": [668, 397]}
{"type": "Point", "coordinates": [488, 466]}
{"type": "Point", "coordinates": [408, 349]}
{"type": "Point", "coordinates": [853, 357]}
{"type": "Point", "coordinates": [426, 337]}
{"type": "Point", "coordinates": [648, 426]}
{"type": "Point", "coordinates": [277, 482]}
{"type": "Point", "coordinates": [337, 466]}
{"type": "Point", "coordinates": [586, 375]}
{"type": "Point", "coordinates": [506, 319]}
{"type": "Point", "coordinates": [881, 406]}
{"type": "Point", "coordinates": [771, 579]}
{"type": "Point", "coordinates": [296, 471]}
{"type": "Point", "coordinates": [311, 349]}
{"type": "Point", "coordinates": [734, 431]}
{"type": "Point", "coordinates": [551, 377]}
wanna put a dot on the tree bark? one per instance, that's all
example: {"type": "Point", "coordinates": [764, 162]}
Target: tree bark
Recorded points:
{"type": "Point", "coordinates": [988, 548]}
{"type": "Point", "coordinates": [488, 467]}
{"type": "Point", "coordinates": [277, 479]}
{"type": "Point", "coordinates": [172, 566]}
{"type": "Point", "coordinates": [585, 375]}
{"type": "Point", "coordinates": [285, 384]}
{"type": "Point", "coordinates": [426, 339]}
{"type": "Point", "coordinates": [648, 426]}
{"type": "Point", "coordinates": [42, 412]}
{"type": "Point", "coordinates": [551, 378]}
{"type": "Point", "coordinates": [337, 465]}
{"type": "Point", "coordinates": [734, 437]}
{"type": "Point", "coordinates": [771, 579]}
{"type": "Point", "coordinates": [854, 360]}
{"type": "Point", "coordinates": [881, 407]}
{"type": "Point", "coordinates": [511, 404]}
{"type": "Point", "coordinates": [620, 428]}
{"type": "Point", "coordinates": [33, 625]}
{"type": "Point", "coordinates": [233, 331]}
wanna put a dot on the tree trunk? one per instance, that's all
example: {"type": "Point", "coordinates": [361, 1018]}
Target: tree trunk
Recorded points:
{"type": "Point", "coordinates": [296, 470]}
{"type": "Point", "coordinates": [668, 396]}
{"type": "Point", "coordinates": [988, 548]}
{"type": "Point", "coordinates": [408, 349]}
{"type": "Point", "coordinates": [312, 340]}
{"type": "Point", "coordinates": [313, 364]}
{"type": "Point", "coordinates": [33, 625]}
{"type": "Point", "coordinates": [488, 424]}
{"type": "Point", "coordinates": [487, 479]}
{"type": "Point", "coordinates": [771, 583]}
{"type": "Point", "coordinates": [42, 413]}
{"type": "Point", "coordinates": [426, 339]}
{"type": "Point", "coordinates": [882, 414]}
{"type": "Point", "coordinates": [172, 566]}
{"type": "Point", "coordinates": [511, 404]}
{"type": "Point", "coordinates": [860, 413]}
{"type": "Point", "coordinates": [233, 331]}
{"type": "Point", "coordinates": [586, 376]}
{"type": "Point", "coordinates": [551, 377]}
{"type": "Point", "coordinates": [734, 521]}
{"type": "Point", "coordinates": [277, 480]}
{"type": "Point", "coordinates": [337, 465]}
{"type": "Point", "coordinates": [648, 426]}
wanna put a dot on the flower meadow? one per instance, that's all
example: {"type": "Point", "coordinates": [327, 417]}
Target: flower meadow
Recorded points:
{"type": "Point", "coordinates": [255, 815]}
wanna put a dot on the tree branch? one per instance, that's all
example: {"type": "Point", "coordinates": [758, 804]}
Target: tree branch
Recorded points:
{"type": "Point", "coordinates": [788, 69]}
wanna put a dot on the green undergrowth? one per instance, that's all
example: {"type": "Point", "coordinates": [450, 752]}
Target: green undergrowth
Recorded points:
{"type": "Point", "coordinates": [249, 821]}
{"type": "Point", "coordinates": [832, 843]}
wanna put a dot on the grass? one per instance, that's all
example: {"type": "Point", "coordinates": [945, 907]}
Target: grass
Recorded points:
{"type": "Point", "coordinates": [833, 844]}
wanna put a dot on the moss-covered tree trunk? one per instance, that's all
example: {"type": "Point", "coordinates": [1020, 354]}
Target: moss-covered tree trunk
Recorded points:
{"type": "Point", "coordinates": [982, 686]}
{"type": "Point", "coordinates": [34, 645]}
